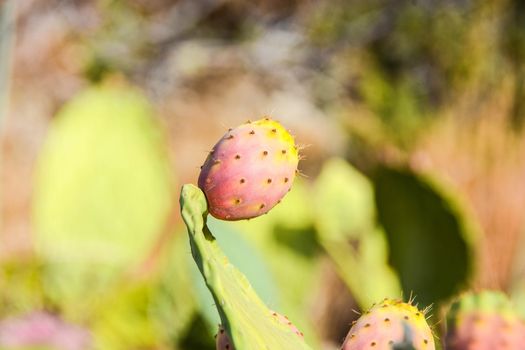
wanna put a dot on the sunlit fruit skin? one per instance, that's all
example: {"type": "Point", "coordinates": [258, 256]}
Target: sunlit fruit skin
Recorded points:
{"type": "Point", "coordinates": [483, 321]}
{"type": "Point", "coordinates": [249, 170]}
{"type": "Point", "coordinates": [388, 324]}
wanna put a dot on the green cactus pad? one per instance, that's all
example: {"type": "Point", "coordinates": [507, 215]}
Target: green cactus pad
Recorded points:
{"type": "Point", "coordinates": [247, 319]}
{"type": "Point", "coordinates": [348, 232]}
{"type": "Point", "coordinates": [103, 190]}
{"type": "Point", "coordinates": [430, 234]}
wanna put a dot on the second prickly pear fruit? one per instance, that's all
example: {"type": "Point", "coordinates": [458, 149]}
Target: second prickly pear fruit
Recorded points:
{"type": "Point", "coordinates": [483, 321]}
{"type": "Point", "coordinates": [388, 325]}
{"type": "Point", "coordinates": [249, 170]}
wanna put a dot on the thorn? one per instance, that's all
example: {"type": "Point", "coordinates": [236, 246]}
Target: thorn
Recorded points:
{"type": "Point", "coordinates": [274, 130]}
{"type": "Point", "coordinates": [230, 129]}
{"type": "Point", "coordinates": [237, 156]}
{"type": "Point", "coordinates": [283, 151]}
{"type": "Point", "coordinates": [302, 146]}
{"type": "Point", "coordinates": [265, 153]}
{"type": "Point", "coordinates": [286, 179]}
{"type": "Point", "coordinates": [252, 132]}
{"type": "Point", "coordinates": [269, 181]}
{"type": "Point", "coordinates": [300, 173]}
{"type": "Point", "coordinates": [229, 137]}
{"type": "Point", "coordinates": [248, 121]}
{"type": "Point", "coordinates": [242, 181]}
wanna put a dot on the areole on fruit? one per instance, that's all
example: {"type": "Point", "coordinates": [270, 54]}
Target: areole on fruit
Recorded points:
{"type": "Point", "coordinates": [249, 170]}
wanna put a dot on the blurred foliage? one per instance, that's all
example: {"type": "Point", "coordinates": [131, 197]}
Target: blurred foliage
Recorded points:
{"type": "Point", "coordinates": [87, 201]}
{"type": "Point", "coordinates": [173, 305]}
{"type": "Point", "coordinates": [348, 232]}
{"type": "Point", "coordinates": [430, 235]}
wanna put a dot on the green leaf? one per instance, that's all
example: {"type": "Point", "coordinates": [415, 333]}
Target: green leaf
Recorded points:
{"type": "Point", "coordinates": [348, 232]}
{"type": "Point", "coordinates": [430, 234]}
{"type": "Point", "coordinates": [246, 318]}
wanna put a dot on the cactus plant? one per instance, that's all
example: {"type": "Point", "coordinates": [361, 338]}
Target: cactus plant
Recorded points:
{"type": "Point", "coordinates": [84, 216]}
{"type": "Point", "coordinates": [247, 320]}
{"type": "Point", "coordinates": [249, 170]}
{"type": "Point", "coordinates": [241, 253]}
{"type": "Point", "coordinates": [390, 324]}
{"type": "Point", "coordinates": [347, 230]}
{"type": "Point", "coordinates": [430, 233]}
{"type": "Point", "coordinates": [483, 321]}
{"type": "Point", "coordinates": [223, 340]}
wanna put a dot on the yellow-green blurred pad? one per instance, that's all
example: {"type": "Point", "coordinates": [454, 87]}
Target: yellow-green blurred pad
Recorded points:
{"type": "Point", "coordinates": [102, 187]}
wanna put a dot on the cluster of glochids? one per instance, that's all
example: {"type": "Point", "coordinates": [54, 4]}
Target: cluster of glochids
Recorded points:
{"type": "Point", "coordinates": [223, 342]}
{"type": "Point", "coordinates": [249, 170]}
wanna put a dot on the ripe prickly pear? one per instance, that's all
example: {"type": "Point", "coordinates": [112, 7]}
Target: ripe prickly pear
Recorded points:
{"type": "Point", "coordinates": [223, 342]}
{"type": "Point", "coordinates": [249, 170]}
{"type": "Point", "coordinates": [483, 321]}
{"type": "Point", "coordinates": [391, 324]}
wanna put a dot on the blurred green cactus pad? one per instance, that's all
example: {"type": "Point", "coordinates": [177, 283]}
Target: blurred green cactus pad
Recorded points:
{"type": "Point", "coordinates": [103, 189]}
{"type": "Point", "coordinates": [430, 233]}
{"type": "Point", "coordinates": [348, 232]}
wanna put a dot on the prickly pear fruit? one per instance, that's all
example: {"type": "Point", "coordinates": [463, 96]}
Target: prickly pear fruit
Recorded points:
{"type": "Point", "coordinates": [483, 321]}
{"type": "Point", "coordinates": [249, 170]}
{"type": "Point", "coordinates": [388, 325]}
{"type": "Point", "coordinates": [223, 342]}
